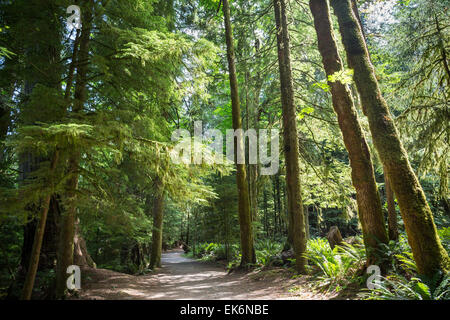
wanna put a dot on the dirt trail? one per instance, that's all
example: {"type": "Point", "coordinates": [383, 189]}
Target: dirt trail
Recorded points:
{"type": "Point", "coordinates": [183, 278]}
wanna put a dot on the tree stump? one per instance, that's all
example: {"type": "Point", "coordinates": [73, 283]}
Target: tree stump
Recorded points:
{"type": "Point", "coordinates": [334, 237]}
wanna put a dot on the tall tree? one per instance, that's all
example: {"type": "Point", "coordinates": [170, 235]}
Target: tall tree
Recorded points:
{"type": "Point", "coordinates": [158, 211]}
{"type": "Point", "coordinates": [30, 74]}
{"type": "Point", "coordinates": [363, 178]}
{"type": "Point", "coordinates": [249, 46]}
{"type": "Point", "coordinates": [245, 219]}
{"type": "Point", "coordinates": [67, 233]}
{"type": "Point", "coordinates": [291, 143]}
{"type": "Point", "coordinates": [426, 246]}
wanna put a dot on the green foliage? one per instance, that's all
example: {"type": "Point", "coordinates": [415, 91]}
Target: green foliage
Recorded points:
{"type": "Point", "coordinates": [410, 60]}
{"type": "Point", "coordinates": [267, 251]}
{"type": "Point", "coordinates": [403, 283]}
{"type": "Point", "coordinates": [215, 251]}
{"type": "Point", "coordinates": [4, 52]}
{"type": "Point", "coordinates": [11, 239]}
{"type": "Point", "coordinates": [444, 234]}
{"type": "Point", "coordinates": [398, 254]}
{"type": "Point", "coordinates": [397, 287]}
{"type": "Point", "coordinates": [344, 76]}
{"type": "Point", "coordinates": [322, 85]}
{"type": "Point", "coordinates": [157, 66]}
{"type": "Point", "coordinates": [407, 262]}
{"type": "Point", "coordinates": [335, 268]}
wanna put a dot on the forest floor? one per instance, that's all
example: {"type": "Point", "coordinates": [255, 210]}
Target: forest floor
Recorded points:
{"type": "Point", "coordinates": [185, 278]}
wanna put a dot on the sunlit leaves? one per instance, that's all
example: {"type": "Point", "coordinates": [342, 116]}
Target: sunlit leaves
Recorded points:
{"type": "Point", "coordinates": [344, 76]}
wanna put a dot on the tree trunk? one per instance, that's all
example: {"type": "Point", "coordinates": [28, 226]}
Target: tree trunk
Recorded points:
{"type": "Point", "coordinates": [245, 219]}
{"type": "Point", "coordinates": [67, 236]}
{"type": "Point", "coordinates": [253, 187]}
{"type": "Point", "coordinates": [291, 146]}
{"type": "Point", "coordinates": [253, 169]}
{"type": "Point", "coordinates": [426, 246]}
{"type": "Point", "coordinates": [158, 212]}
{"type": "Point", "coordinates": [275, 208]}
{"type": "Point", "coordinates": [252, 88]}
{"type": "Point", "coordinates": [227, 234]}
{"type": "Point", "coordinates": [363, 178]}
{"type": "Point", "coordinates": [266, 224]}
{"type": "Point", "coordinates": [40, 234]}
{"type": "Point", "coordinates": [38, 238]}
{"type": "Point", "coordinates": [392, 214]}
{"type": "Point", "coordinates": [188, 227]}
{"type": "Point", "coordinates": [306, 213]}
{"type": "Point", "coordinates": [279, 208]}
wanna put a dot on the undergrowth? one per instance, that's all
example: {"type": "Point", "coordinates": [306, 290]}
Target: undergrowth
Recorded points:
{"type": "Point", "coordinates": [344, 266]}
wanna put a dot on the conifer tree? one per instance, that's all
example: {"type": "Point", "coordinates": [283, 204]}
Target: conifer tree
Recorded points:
{"type": "Point", "coordinates": [245, 219]}
{"type": "Point", "coordinates": [291, 144]}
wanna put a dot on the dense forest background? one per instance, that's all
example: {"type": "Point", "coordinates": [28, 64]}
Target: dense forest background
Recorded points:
{"type": "Point", "coordinates": [87, 115]}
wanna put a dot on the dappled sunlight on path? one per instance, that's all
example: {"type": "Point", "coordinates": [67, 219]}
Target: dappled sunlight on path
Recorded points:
{"type": "Point", "coordinates": [182, 278]}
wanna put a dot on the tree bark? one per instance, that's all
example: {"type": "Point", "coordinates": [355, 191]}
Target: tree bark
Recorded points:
{"type": "Point", "coordinates": [158, 214]}
{"type": "Point", "coordinates": [245, 219]}
{"type": "Point", "coordinates": [306, 214]}
{"type": "Point", "coordinates": [291, 144]}
{"type": "Point", "coordinates": [426, 246]}
{"type": "Point", "coordinates": [392, 214]}
{"type": "Point", "coordinates": [363, 177]}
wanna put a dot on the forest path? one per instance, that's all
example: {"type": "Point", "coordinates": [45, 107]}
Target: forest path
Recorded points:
{"type": "Point", "coordinates": [184, 278]}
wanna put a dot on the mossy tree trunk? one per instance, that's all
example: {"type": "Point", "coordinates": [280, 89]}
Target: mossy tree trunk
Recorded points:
{"type": "Point", "coordinates": [363, 178]}
{"type": "Point", "coordinates": [426, 246]}
{"type": "Point", "coordinates": [158, 215]}
{"type": "Point", "coordinates": [392, 214]}
{"type": "Point", "coordinates": [290, 135]}
{"type": "Point", "coordinates": [245, 219]}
